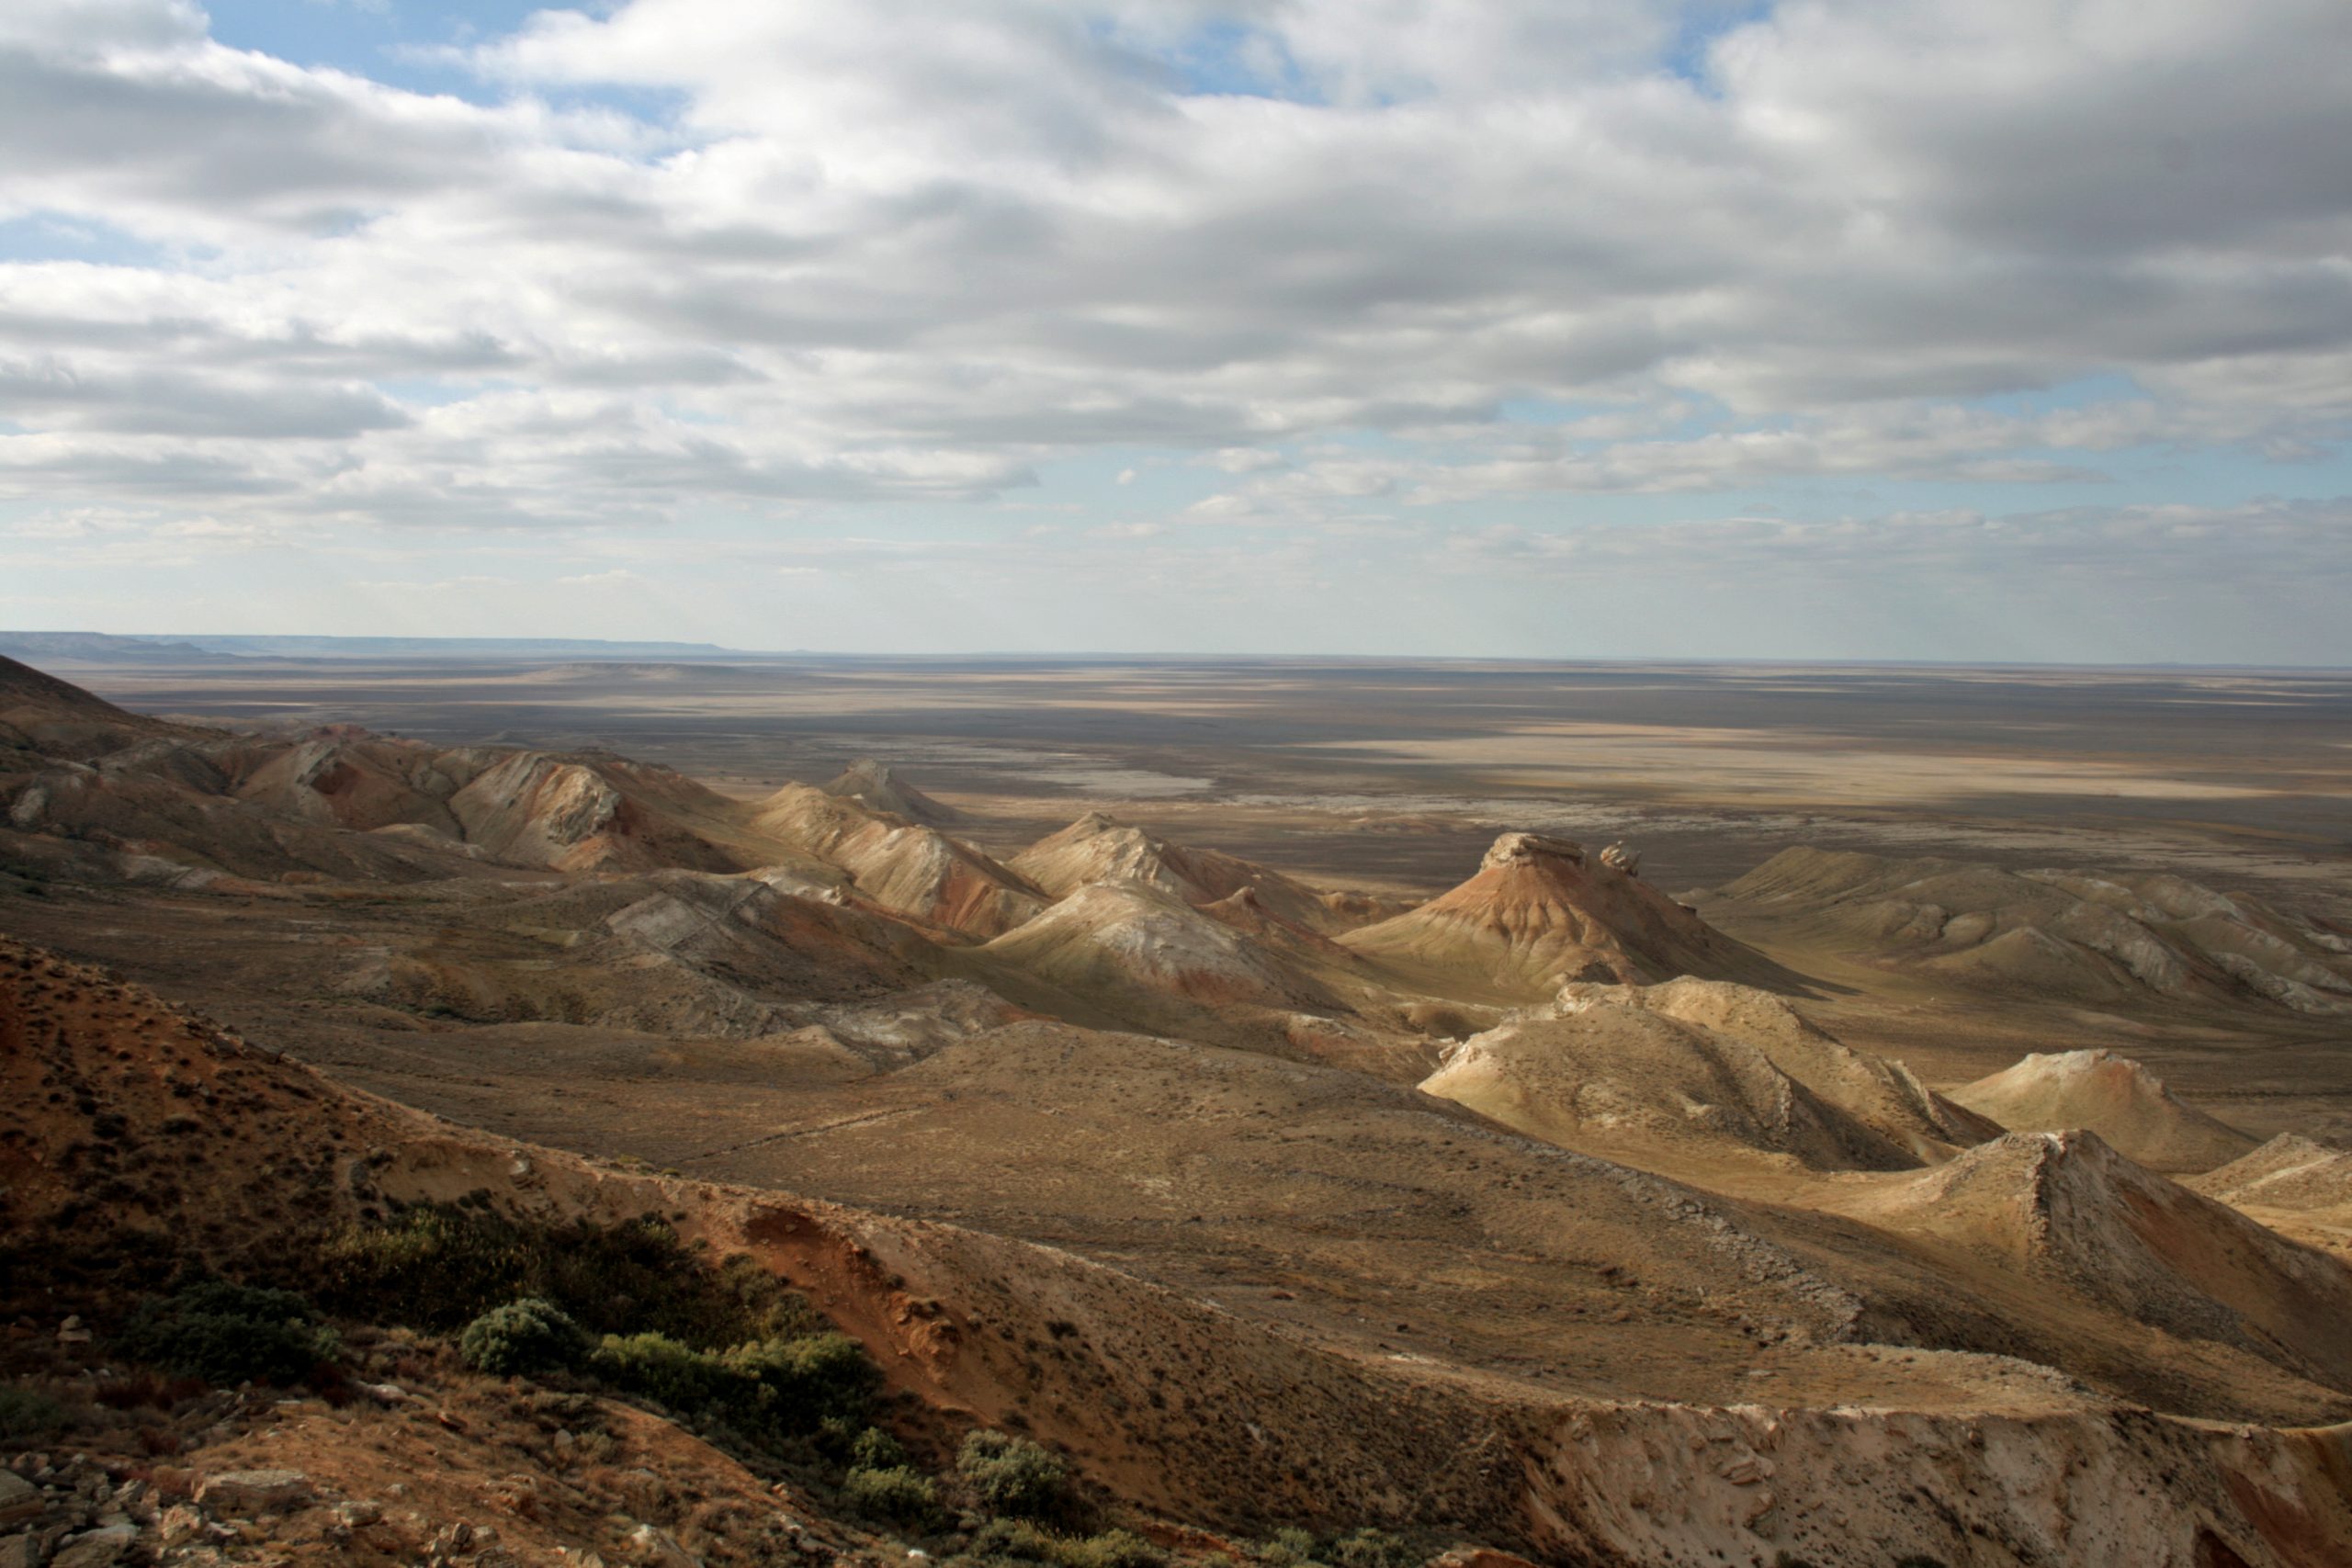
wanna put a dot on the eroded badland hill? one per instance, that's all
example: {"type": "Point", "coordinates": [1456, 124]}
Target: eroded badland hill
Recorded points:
{"type": "Point", "coordinates": [482, 1153]}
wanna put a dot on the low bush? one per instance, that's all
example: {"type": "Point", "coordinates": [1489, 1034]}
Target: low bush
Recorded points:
{"type": "Point", "coordinates": [225, 1333]}
{"type": "Point", "coordinates": [1008, 1541]}
{"type": "Point", "coordinates": [1005, 1541]}
{"type": "Point", "coordinates": [1014, 1478]}
{"type": "Point", "coordinates": [811, 1379]}
{"type": "Point", "coordinates": [773, 1390]}
{"type": "Point", "coordinates": [898, 1496]}
{"type": "Point", "coordinates": [438, 1266]}
{"type": "Point", "coordinates": [521, 1337]}
{"type": "Point", "coordinates": [658, 1366]}
{"type": "Point", "coordinates": [1111, 1549]}
{"type": "Point", "coordinates": [875, 1448]}
{"type": "Point", "coordinates": [1369, 1548]}
{"type": "Point", "coordinates": [1291, 1548]}
{"type": "Point", "coordinates": [26, 1413]}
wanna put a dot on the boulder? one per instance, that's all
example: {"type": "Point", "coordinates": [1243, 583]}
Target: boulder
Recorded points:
{"type": "Point", "coordinates": [100, 1548]}
{"type": "Point", "coordinates": [250, 1492]}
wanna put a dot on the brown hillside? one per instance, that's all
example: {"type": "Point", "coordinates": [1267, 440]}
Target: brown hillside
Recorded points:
{"type": "Point", "coordinates": [2110, 1095]}
{"type": "Point", "coordinates": [1541, 913]}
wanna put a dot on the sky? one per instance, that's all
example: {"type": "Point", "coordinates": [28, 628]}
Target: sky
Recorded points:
{"type": "Point", "coordinates": [1971, 330]}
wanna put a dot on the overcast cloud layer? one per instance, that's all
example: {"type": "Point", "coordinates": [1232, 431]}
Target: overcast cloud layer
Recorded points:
{"type": "Point", "coordinates": [2009, 329]}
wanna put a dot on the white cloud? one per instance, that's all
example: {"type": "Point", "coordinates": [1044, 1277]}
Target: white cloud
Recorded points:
{"type": "Point", "coordinates": [910, 253]}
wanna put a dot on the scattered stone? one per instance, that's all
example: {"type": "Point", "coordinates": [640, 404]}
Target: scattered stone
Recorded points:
{"type": "Point", "coordinates": [95, 1549]}
{"type": "Point", "coordinates": [19, 1498]}
{"type": "Point", "coordinates": [660, 1549]}
{"type": "Point", "coordinates": [247, 1492]}
{"type": "Point", "coordinates": [1617, 857]}
{"type": "Point", "coordinates": [180, 1524]}
{"type": "Point", "coordinates": [359, 1514]}
{"type": "Point", "coordinates": [20, 1552]}
{"type": "Point", "coordinates": [1480, 1556]}
{"type": "Point", "coordinates": [70, 1332]}
{"type": "Point", "coordinates": [1747, 1472]}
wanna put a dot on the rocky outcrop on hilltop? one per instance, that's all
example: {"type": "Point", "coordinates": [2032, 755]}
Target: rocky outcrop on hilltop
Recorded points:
{"type": "Point", "coordinates": [876, 787]}
{"type": "Point", "coordinates": [1541, 914]}
{"type": "Point", "coordinates": [2113, 1096]}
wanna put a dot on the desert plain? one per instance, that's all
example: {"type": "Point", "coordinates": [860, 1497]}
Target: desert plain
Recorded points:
{"type": "Point", "coordinates": [1611, 1112]}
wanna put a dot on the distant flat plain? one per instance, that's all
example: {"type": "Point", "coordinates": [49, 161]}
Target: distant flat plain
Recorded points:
{"type": "Point", "coordinates": [1391, 772]}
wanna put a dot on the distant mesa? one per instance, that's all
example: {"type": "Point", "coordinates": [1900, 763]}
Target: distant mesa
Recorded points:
{"type": "Point", "coordinates": [875, 786]}
{"type": "Point", "coordinates": [2113, 1096]}
{"type": "Point", "coordinates": [2106, 939]}
{"type": "Point", "coordinates": [96, 648]}
{"type": "Point", "coordinates": [1541, 913]}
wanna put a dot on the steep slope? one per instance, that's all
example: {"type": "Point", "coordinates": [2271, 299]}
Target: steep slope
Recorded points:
{"type": "Point", "coordinates": [1539, 914]}
{"type": "Point", "coordinates": [583, 811]}
{"type": "Point", "coordinates": [2110, 1095]}
{"type": "Point", "coordinates": [1097, 848]}
{"type": "Point", "coordinates": [875, 786]}
{"type": "Point", "coordinates": [768, 935]}
{"type": "Point", "coordinates": [1882, 1094]}
{"type": "Point", "coordinates": [1169, 1401]}
{"type": "Point", "coordinates": [914, 870]}
{"type": "Point", "coordinates": [2295, 1186]}
{"type": "Point", "coordinates": [1125, 941]}
{"type": "Point", "coordinates": [348, 778]}
{"type": "Point", "coordinates": [2111, 939]}
{"type": "Point", "coordinates": [42, 714]}
{"type": "Point", "coordinates": [1631, 1083]}
{"type": "Point", "coordinates": [2067, 1206]}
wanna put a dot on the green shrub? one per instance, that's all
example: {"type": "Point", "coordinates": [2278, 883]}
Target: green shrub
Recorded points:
{"type": "Point", "coordinates": [227, 1333]}
{"type": "Point", "coordinates": [25, 1413]}
{"type": "Point", "coordinates": [1111, 1549]}
{"type": "Point", "coordinates": [1290, 1548]}
{"type": "Point", "coordinates": [875, 1448]}
{"type": "Point", "coordinates": [773, 1390]}
{"type": "Point", "coordinates": [897, 1496]}
{"type": "Point", "coordinates": [809, 1380]}
{"type": "Point", "coordinates": [438, 1266]}
{"type": "Point", "coordinates": [1020, 1540]}
{"type": "Point", "coordinates": [1013, 1477]}
{"type": "Point", "coordinates": [1369, 1548]}
{"type": "Point", "coordinates": [529, 1336]}
{"type": "Point", "coordinates": [1010, 1540]}
{"type": "Point", "coordinates": [657, 1367]}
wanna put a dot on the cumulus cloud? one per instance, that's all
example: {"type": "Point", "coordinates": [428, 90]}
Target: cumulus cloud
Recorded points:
{"type": "Point", "coordinates": [673, 261]}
